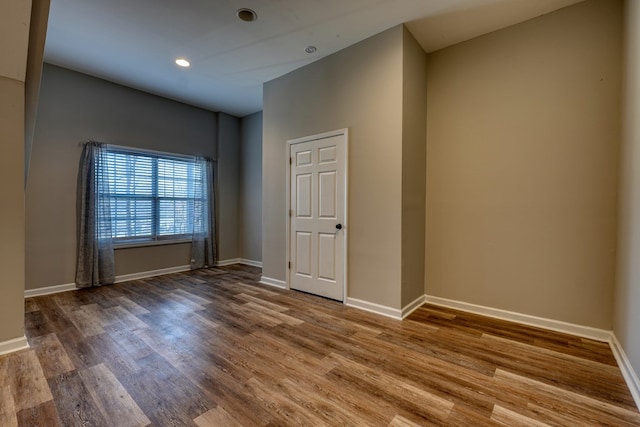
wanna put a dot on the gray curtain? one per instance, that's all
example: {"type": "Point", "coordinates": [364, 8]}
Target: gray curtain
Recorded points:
{"type": "Point", "coordinates": [95, 248]}
{"type": "Point", "coordinates": [203, 245]}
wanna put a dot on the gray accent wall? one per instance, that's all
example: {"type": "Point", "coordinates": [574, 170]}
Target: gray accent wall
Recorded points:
{"type": "Point", "coordinates": [250, 203]}
{"type": "Point", "coordinates": [74, 108]}
{"type": "Point", "coordinates": [228, 186]}
{"type": "Point", "coordinates": [627, 296]}
{"type": "Point", "coordinates": [523, 131]}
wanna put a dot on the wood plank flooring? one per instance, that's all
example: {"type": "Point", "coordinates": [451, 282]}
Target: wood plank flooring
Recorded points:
{"type": "Point", "coordinates": [215, 348]}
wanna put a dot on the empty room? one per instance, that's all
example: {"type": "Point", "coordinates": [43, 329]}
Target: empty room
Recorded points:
{"type": "Point", "coordinates": [391, 213]}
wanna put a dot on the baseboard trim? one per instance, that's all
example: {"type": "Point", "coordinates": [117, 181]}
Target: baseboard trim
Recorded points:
{"type": "Point", "coordinates": [250, 262]}
{"type": "Point", "coordinates": [243, 261]}
{"type": "Point", "coordinates": [273, 282]}
{"type": "Point", "coordinates": [629, 374]}
{"type": "Point", "coordinates": [540, 322]}
{"type": "Point", "coordinates": [28, 293]}
{"type": "Point", "coordinates": [383, 310]}
{"type": "Point", "coordinates": [152, 273]}
{"type": "Point", "coordinates": [225, 262]}
{"type": "Point", "coordinates": [371, 307]}
{"type": "Point", "coordinates": [12, 345]}
{"type": "Point", "coordinates": [413, 306]}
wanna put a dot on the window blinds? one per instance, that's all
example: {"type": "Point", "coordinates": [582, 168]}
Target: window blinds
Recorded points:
{"type": "Point", "coordinates": [153, 196]}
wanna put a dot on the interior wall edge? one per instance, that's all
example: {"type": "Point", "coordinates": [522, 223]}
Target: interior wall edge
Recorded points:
{"type": "Point", "coordinates": [627, 288]}
{"type": "Point", "coordinates": [413, 306]}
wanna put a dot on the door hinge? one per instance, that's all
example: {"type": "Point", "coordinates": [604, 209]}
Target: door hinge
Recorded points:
{"type": "Point", "coordinates": [290, 160]}
{"type": "Point", "coordinates": [289, 265]}
{"type": "Point", "coordinates": [290, 212]}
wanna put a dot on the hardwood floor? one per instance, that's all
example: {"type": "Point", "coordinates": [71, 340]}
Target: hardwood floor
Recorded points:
{"type": "Point", "coordinates": [214, 348]}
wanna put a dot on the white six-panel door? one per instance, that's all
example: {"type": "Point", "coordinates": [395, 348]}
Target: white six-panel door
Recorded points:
{"type": "Point", "coordinates": [317, 229]}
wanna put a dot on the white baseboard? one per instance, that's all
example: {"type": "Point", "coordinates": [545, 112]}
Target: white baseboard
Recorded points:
{"type": "Point", "coordinates": [14, 345]}
{"type": "Point", "coordinates": [28, 293]}
{"type": "Point", "coordinates": [383, 310]}
{"type": "Point", "coordinates": [273, 282]}
{"type": "Point", "coordinates": [251, 262]}
{"type": "Point", "coordinates": [412, 306]}
{"type": "Point", "coordinates": [239, 261]}
{"type": "Point", "coordinates": [225, 262]}
{"type": "Point", "coordinates": [371, 307]}
{"type": "Point", "coordinates": [152, 273]}
{"type": "Point", "coordinates": [629, 374]}
{"type": "Point", "coordinates": [540, 322]}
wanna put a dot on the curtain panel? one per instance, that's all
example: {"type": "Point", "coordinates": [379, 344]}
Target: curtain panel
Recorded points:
{"type": "Point", "coordinates": [95, 265]}
{"type": "Point", "coordinates": [203, 245]}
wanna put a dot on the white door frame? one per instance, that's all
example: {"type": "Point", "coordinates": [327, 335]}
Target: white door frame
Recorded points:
{"type": "Point", "coordinates": [345, 225]}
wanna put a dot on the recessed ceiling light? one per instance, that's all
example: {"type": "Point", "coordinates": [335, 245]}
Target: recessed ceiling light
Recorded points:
{"type": "Point", "coordinates": [247, 15]}
{"type": "Point", "coordinates": [310, 49]}
{"type": "Point", "coordinates": [183, 62]}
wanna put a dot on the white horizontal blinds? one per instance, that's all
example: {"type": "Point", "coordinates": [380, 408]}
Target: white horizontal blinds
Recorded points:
{"type": "Point", "coordinates": [131, 194]}
{"type": "Point", "coordinates": [151, 195]}
{"type": "Point", "coordinates": [177, 186]}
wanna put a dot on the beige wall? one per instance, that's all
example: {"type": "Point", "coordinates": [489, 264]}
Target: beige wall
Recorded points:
{"type": "Point", "coordinates": [228, 186]}
{"type": "Point", "coordinates": [12, 207]}
{"type": "Point", "coordinates": [250, 203]}
{"type": "Point", "coordinates": [414, 116]}
{"type": "Point", "coordinates": [522, 166]}
{"type": "Point", "coordinates": [73, 108]}
{"type": "Point", "coordinates": [627, 296]}
{"type": "Point", "coordinates": [359, 88]}
{"type": "Point", "coordinates": [14, 37]}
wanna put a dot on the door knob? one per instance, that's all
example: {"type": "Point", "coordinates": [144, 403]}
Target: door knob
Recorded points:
{"type": "Point", "coordinates": [339, 226]}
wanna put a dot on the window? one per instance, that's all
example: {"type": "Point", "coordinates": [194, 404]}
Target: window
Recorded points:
{"type": "Point", "coordinates": [152, 196]}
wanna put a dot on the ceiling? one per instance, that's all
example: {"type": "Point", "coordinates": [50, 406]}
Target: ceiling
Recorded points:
{"type": "Point", "coordinates": [135, 43]}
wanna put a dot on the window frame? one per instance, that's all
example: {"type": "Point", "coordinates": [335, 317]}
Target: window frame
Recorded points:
{"type": "Point", "coordinates": [155, 239]}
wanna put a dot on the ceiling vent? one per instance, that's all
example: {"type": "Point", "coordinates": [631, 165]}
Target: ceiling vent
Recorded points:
{"type": "Point", "coordinates": [247, 15]}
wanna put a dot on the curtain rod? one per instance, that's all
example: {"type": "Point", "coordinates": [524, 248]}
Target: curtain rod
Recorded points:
{"type": "Point", "coordinates": [143, 150]}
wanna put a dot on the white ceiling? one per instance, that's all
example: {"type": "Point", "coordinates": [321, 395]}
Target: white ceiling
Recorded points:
{"type": "Point", "coordinates": [136, 42]}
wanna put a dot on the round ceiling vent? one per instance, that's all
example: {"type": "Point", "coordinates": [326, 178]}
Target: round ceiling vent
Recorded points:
{"type": "Point", "coordinates": [247, 15]}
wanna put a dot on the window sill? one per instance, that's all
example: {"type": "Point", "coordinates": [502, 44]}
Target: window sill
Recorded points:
{"type": "Point", "coordinates": [126, 245]}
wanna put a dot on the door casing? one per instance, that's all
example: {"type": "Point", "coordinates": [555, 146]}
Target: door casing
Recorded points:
{"type": "Point", "coordinates": [345, 225]}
